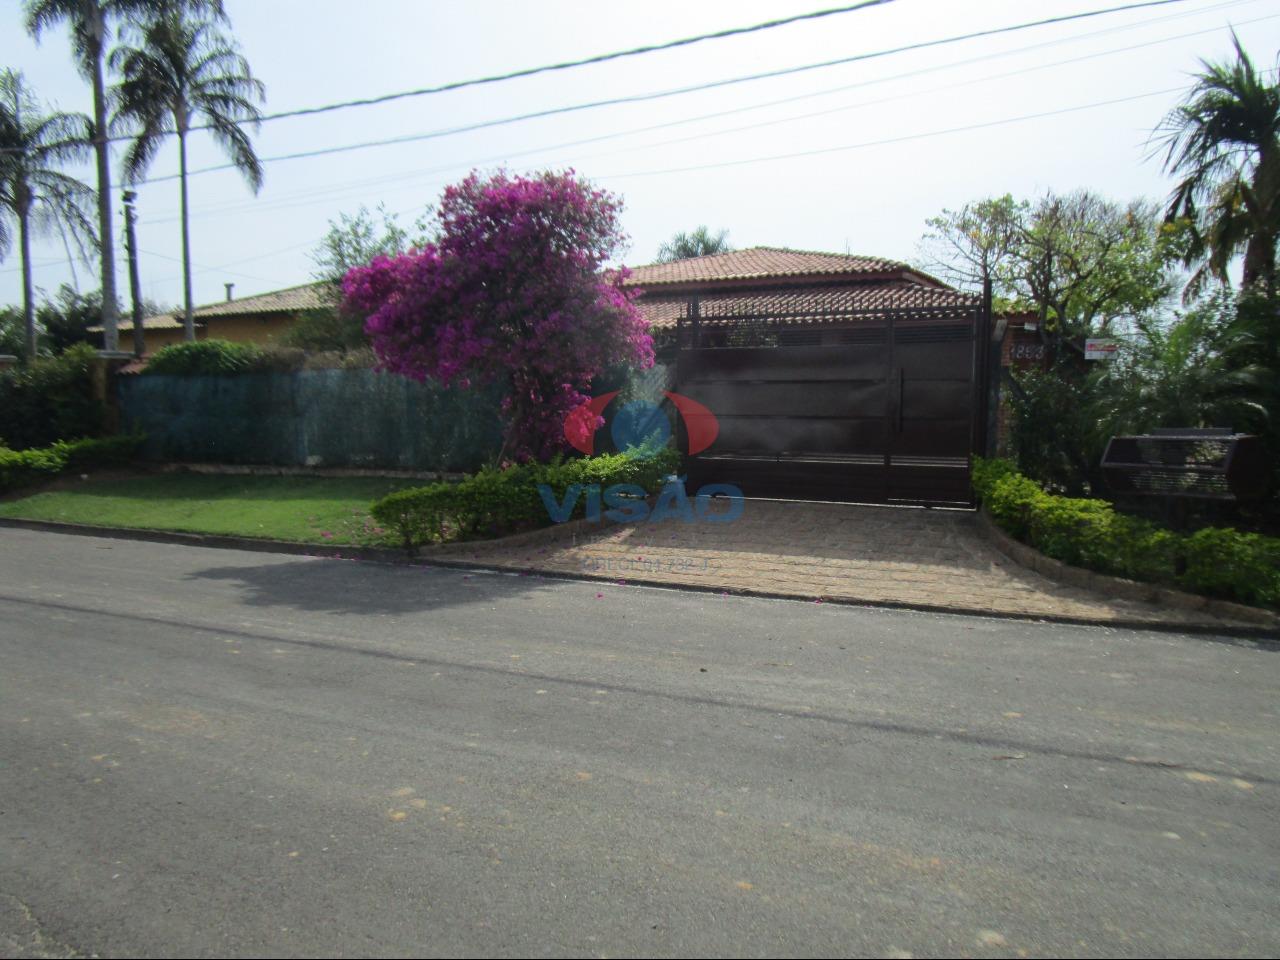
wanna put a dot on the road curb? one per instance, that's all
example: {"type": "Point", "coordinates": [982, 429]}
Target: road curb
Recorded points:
{"type": "Point", "coordinates": [1108, 585]}
{"type": "Point", "coordinates": [438, 557]}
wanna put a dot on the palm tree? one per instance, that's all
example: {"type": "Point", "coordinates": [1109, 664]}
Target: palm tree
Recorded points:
{"type": "Point", "coordinates": [1224, 141]}
{"type": "Point", "coordinates": [33, 191]}
{"type": "Point", "coordinates": [700, 243]}
{"type": "Point", "coordinates": [176, 69]}
{"type": "Point", "coordinates": [90, 23]}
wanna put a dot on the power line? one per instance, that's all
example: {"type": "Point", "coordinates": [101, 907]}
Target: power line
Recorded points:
{"type": "Point", "coordinates": [309, 111]}
{"type": "Point", "coordinates": [888, 140]}
{"type": "Point", "coordinates": [662, 94]}
{"type": "Point", "coordinates": [307, 197]}
{"type": "Point", "coordinates": [548, 68]}
{"type": "Point", "coordinates": [865, 144]}
{"type": "Point", "coordinates": [570, 64]}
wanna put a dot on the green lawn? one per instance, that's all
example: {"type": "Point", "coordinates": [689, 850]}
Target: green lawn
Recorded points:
{"type": "Point", "coordinates": [322, 510]}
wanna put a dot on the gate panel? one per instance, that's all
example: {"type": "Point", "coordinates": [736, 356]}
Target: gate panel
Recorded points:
{"type": "Point", "coordinates": [879, 412]}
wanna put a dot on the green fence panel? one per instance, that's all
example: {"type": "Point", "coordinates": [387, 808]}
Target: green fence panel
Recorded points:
{"type": "Point", "coordinates": [332, 418]}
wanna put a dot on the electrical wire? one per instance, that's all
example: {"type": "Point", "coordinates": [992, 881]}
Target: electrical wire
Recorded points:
{"type": "Point", "coordinates": [656, 95]}
{"type": "Point", "coordinates": [308, 197]}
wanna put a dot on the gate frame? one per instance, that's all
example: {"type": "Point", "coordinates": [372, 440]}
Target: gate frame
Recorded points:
{"type": "Point", "coordinates": [689, 327]}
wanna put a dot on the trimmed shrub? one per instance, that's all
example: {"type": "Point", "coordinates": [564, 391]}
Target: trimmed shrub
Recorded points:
{"type": "Point", "coordinates": [206, 357]}
{"type": "Point", "coordinates": [49, 399]}
{"type": "Point", "coordinates": [1226, 562]}
{"type": "Point", "coordinates": [1219, 562]}
{"type": "Point", "coordinates": [19, 468]}
{"type": "Point", "coordinates": [495, 502]}
{"type": "Point", "coordinates": [986, 473]}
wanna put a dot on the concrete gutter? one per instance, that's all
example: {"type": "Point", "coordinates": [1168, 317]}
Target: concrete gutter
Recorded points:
{"type": "Point", "coordinates": [1119, 587]}
{"type": "Point", "coordinates": [1254, 624]}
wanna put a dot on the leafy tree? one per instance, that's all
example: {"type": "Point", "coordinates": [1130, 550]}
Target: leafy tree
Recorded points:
{"type": "Point", "coordinates": [34, 192]}
{"type": "Point", "coordinates": [353, 240]}
{"type": "Point", "coordinates": [178, 68]}
{"type": "Point", "coordinates": [65, 320]}
{"type": "Point", "coordinates": [512, 291]}
{"type": "Point", "coordinates": [1086, 263]}
{"type": "Point", "coordinates": [974, 245]}
{"type": "Point", "coordinates": [1085, 266]}
{"type": "Point", "coordinates": [1223, 141]}
{"type": "Point", "coordinates": [1079, 261]}
{"type": "Point", "coordinates": [699, 243]}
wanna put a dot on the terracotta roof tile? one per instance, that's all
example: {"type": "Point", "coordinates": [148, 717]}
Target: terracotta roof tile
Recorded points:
{"type": "Point", "coordinates": [762, 262]}
{"type": "Point", "coordinates": [306, 296]}
{"type": "Point", "coordinates": [823, 304]}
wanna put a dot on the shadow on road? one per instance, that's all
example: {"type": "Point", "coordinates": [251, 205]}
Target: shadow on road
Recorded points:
{"type": "Point", "coordinates": [356, 587]}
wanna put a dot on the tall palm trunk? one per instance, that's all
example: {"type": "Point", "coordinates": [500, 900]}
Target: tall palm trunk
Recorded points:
{"type": "Point", "coordinates": [28, 291]}
{"type": "Point", "coordinates": [1260, 261]}
{"type": "Point", "coordinates": [106, 236]}
{"type": "Point", "coordinates": [188, 316]}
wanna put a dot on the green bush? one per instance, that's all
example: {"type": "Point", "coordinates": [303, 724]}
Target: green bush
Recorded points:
{"type": "Point", "coordinates": [206, 357]}
{"type": "Point", "coordinates": [493, 502]}
{"type": "Point", "coordinates": [1226, 562]}
{"type": "Point", "coordinates": [986, 473]}
{"type": "Point", "coordinates": [1091, 534]}
{"type": "Point", "coordinates": [19, 468]}
{"type": "Point", "coordinates": [52, 398]}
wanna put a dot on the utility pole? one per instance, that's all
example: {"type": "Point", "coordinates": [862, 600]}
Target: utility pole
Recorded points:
{"type": "Point", "coordinates": [135, 286]}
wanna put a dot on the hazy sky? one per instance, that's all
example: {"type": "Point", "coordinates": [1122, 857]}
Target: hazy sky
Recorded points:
{"type": "Point", "coordinates": [860, 193]}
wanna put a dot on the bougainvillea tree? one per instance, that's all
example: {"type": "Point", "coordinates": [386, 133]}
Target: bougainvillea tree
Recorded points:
{"type": "Point", "coordinates": [514, 290]}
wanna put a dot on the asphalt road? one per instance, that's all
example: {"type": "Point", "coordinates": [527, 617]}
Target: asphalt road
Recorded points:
{"type": "Point", "coordinates": [209, 752]}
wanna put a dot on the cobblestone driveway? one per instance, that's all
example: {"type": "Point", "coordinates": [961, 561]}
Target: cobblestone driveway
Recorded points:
{"type": "Point", "coordinates": [886, 555]}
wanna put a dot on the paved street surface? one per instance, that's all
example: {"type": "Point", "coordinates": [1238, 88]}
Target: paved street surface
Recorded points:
{"type": "Point", "coordinates": [208, 752]}
{"type": "Point", "coordinates": [844, 551]}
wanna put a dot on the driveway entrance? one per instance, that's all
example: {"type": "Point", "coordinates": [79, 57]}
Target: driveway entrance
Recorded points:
{"type": "Point", "coordinates": [851, 552]}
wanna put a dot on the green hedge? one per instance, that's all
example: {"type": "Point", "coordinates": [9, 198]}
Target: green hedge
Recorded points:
{"type": "Point", "coordinates": [1219, 562]}
{"type": "Point", "coordinates": [19, 468]}
{"type": "Point", "coordinates": [51, 398]}
{"type": "Point", "coordinates": [209, 357]}
{"type": "Point", "coordinates": [495, 502]}
{"type": "Point", "coordinates": [221, 357]}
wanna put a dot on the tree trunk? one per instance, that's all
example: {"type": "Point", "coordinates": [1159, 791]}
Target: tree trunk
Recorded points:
{"type": "Point", "coordinates": [106, 237]}
{"type": "Point", "coordinates": [28, 294]}
{"type": "Point", "coordinates": [1260, 262]}
{"type": "Point", "coordinates": [188, 315]}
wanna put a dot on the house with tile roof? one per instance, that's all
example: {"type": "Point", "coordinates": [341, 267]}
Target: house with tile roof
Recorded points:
{"type": "Point", "coordinates": [794, 288]}
{"type": "Point", "coordinates": [262, 318]}
{"type": "Point", "coordinates": [799, 292]}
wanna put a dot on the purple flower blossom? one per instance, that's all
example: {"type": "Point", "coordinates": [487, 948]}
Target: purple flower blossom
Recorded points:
{"type": "Point", "coordinates": [514, 291]}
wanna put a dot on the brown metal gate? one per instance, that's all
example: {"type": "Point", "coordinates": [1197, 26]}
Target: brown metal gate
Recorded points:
{"type": "Point", "coordinates": [883, 408]}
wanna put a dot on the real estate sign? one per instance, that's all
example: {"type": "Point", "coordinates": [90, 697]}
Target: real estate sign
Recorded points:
{"type": "Point", "coordinates": [1096, 348]}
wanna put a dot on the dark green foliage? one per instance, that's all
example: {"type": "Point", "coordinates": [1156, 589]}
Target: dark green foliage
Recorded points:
{"type": "Point", "coordinates": [12, 331]}
{"type": "Point", "coordinates": [495, 502]}
{"type": "Point", "coordinates": [1219, 562]}
{"type": "Point", "coordinates": [206, 358]}
{"type": "Point", "coordinates": [65, 320]}
{"type": "Point", "coordinates": [1056, 434]}
{"type": "Point", "coordinates": [19, 468]}
{"type": "Point", "coordinates": [50, 399]}
{"type": "Point", "coordinates": [1227, 562]}
{"type": "Point", "coordinates": [327, 329]}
